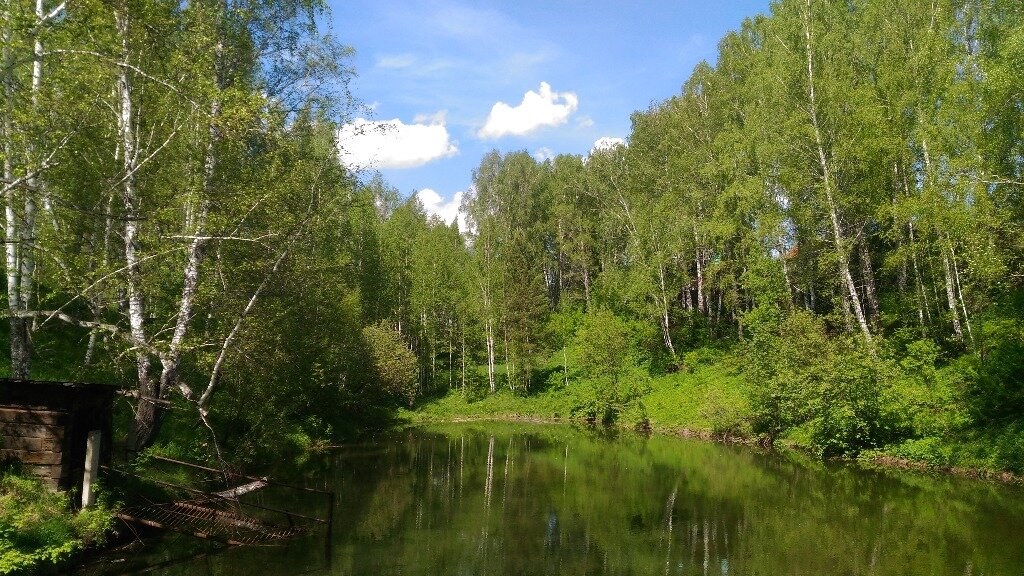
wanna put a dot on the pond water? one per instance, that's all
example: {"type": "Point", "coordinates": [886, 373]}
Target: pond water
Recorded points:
{"type": "Point", "coordinates": [524, 499]}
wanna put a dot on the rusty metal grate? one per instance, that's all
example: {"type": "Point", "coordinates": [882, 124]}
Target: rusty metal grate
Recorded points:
{"type": "Point", "coordinates": [213, 519]}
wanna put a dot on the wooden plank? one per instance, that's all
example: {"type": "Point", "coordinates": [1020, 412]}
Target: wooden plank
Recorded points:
{"type": "Point", "coordinates": [10, 430]}
{"type": "Point", "coordinates": [30, 415]}
{"type": "Point", "coordinates": [31, 457]}
{"type": "Point", "coordinates": [28, 443]}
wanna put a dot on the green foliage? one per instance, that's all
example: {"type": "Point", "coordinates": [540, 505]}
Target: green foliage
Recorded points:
{"type": "Point", "coordinates": [610, 375]}
{"type": "Point", "coordinates": [995, 393]}
{"type": "Point", "coordinates": [797, 376]}
{"type": "Point", "coordinates": [38, 529]}
{"type": "Point", "coordinates": [394, 365]}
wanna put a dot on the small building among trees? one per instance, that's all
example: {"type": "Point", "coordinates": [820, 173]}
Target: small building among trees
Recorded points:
{"type": "Point", "coordinates": [46, 426]}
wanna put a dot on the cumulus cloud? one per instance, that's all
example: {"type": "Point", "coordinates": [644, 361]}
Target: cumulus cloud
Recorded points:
{"type": "Point", "coordinates": [538, 109]}
{"type": "Point", "coordinates": [606, 143]}
{"type": "Point", "coordinates": [543, 154]}
{"type": "Point", "coordinates": [450, 211]}
{"type": "Point", "coordinates": [393, 144]}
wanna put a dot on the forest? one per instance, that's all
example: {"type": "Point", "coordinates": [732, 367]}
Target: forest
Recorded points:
{"type": "Point", "coordinates": [830, 215]}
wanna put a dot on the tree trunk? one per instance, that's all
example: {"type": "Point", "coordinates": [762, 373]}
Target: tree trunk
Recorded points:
{"type": "Point", "coordinates": [842, 252]}
{"type": "Point", "coordinates": [701, 304]}
{"type": "Point", "coordinates": [786, 277]}
{"type": "Point", "coordinates": [586, 287]}
{"type": "Point", "coordinates": [462, 333]}
{"type": "Point", "coordinates": [19, 341]}
{"type": "Point", "coordinates": [870, 291]}
{"type": "Point", "coordinates": [923, 310]}
{"type": "Point", "coordinates": [958, 331]}
{"type": "Point", "coordinates": [666, 335]}
{"type": "Point", "coordinates": [148, 413]}
{"type": "Point", "coordinates": [490, 356]}
{"type": "Point", "coordinates": [959, 289]}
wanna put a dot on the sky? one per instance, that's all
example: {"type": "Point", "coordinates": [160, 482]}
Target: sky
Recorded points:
{"type": "Point", "coordinates": [441, 83]}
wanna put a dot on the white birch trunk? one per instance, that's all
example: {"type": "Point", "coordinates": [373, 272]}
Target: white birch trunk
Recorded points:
{"type": "Point", "coordinates": [842, 253]}
{"type": "Point", "coordinates": [146, 412]}
{"type": "Point", "coordinates": [868, 273]}
{"type": "Point", "coordinates": [958, 331]}
{"type": "Point", "coordinates": [701, 302]}
{"type": "Point", "coordinates": [923, 310]}
{"type": "Point", "coordinates": [489, 337]}
{"type": "Point", "coordinates": [12, 234]}
{"type": "Point", "coordinates": [462, 333]}
{"type": "Point", "coordinates": [666, 335]}
{"type": "Point", "coordinates": [959, 289]}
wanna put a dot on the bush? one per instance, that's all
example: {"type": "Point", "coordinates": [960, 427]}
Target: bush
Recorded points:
{"type": "Point", "coordinates": [800, 377]}
{"type": "Point", "coordinates": [725, 413]}
{"type": "Point", "coordinates": [1008, 449]}
{"type": "Point", "coordinates": [394, 364]}
{"type": "Point", "coordinates": [930, 450]}
{"type": "Point", "coordinates": [37, 528]}
{"type": "Point", "coordinates": [609, 376]}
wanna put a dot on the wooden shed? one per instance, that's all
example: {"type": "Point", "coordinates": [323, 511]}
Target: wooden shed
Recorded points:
{"type": "Point", "coordinates": [45, 425]}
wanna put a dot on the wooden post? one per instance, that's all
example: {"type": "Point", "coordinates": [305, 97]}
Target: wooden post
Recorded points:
{"type": "Point", "coordinates": [329, 536]}
{"type": "Point", "coordinates": [92, 467]}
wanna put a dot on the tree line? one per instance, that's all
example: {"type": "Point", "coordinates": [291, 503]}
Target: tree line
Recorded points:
{"type": "Point", "coordinates": [838, 198]}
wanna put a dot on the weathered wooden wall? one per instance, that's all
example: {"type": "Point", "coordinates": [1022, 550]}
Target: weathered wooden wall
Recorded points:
{"type": "Point", "coordinates": [44, 426]}
{"type": "Point", "coordinates": [35, 438]}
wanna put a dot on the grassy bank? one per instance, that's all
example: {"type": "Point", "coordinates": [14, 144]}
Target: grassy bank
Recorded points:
{"type": "Point", "coordinates": [39, 530]}
{"type": "Point", "coordinates": [715, 397]}
{"type": "Point", "coordinates": [705, 401]}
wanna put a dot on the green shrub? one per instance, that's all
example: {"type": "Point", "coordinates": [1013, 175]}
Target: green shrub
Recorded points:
{"type": "Point", "coordinates": [37, 527]}
{"type": "Point", "coordinates": [394, 364]}
{"type": "Point", "coordinates": [608, 376]}
{"type": "Point", "coordinates": [930, 450]}
{"type": "Point", "coordinates": [1008, 449]}
{"type": "Point", "coordinates": [726, 413]}
{"type": "Point", "coordinates": [799, 376]}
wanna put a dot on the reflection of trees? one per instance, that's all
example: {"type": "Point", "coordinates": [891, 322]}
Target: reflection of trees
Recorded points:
{"type": "Point", "coordinates": [554, 500]}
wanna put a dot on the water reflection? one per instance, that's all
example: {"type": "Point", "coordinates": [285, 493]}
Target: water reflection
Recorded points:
{"type": "Point", "coordinates": [503, 499]}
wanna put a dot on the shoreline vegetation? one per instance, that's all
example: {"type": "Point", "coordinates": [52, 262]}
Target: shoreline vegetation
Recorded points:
{"type": "Point", "coordinates": [704, 403]}
{"type": "Point", "coordinates": [870, 459]}
{"type": "Point", "coordinates": [39, 529]}
{"type": "Point", "coordinates": [817, 242]}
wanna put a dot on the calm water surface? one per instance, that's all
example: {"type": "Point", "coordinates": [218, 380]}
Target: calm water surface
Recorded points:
{"type": "Point", "coordinates": [510, 499]}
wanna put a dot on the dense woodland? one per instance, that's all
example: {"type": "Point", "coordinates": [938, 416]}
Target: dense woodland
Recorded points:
{"type": "Point", "coordinates": [833, 210]}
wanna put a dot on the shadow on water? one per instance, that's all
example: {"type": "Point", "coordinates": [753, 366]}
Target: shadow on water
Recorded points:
{"type": "Point", "coordinates": [502, 498]}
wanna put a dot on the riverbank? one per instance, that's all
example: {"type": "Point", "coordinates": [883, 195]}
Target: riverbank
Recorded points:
{"type": "Point", "coordinates": [707, 402]}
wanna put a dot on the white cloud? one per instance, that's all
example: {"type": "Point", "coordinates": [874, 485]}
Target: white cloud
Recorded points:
{"type": "Point", "coordinates": [438, 117]}
{"type": "Point", "coordinates": [543, 154]}
{"type": "Point", "coordinates": [585, 122]}
{"type": "Point", "coordinates": [606, 143]}
{"type": "Point", "coordinates": [396, 61]}
{"type": "Point", "coordinates": [450, 211]}
{"type": "Point", "coordinates": [538, 109]}
{"type": "Point", "coordinates": [394, 144]}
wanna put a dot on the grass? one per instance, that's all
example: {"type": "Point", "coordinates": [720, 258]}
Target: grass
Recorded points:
{"type": "Point", "coordinates": [706, 400]}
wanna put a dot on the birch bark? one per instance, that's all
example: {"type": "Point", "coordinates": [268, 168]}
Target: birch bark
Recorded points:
{"type": "Point", "coordinates": [144, 425]}
{"type": "Point", "coordinates": [842, 251]}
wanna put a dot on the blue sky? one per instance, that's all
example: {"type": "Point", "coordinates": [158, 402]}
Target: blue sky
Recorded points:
{"type": "Point", "coordinates": [450, 80]}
